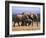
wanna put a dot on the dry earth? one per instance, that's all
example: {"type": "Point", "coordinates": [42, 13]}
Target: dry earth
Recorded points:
{"type": "Point", "coordinates": [27, 28]}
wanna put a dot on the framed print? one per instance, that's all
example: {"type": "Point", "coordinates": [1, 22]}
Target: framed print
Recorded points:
{"type": "Point", "coordinates": [24, 18]}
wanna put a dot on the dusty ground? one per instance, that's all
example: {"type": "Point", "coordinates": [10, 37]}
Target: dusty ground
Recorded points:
{"type": "Point", "coordinates": [27, 28]}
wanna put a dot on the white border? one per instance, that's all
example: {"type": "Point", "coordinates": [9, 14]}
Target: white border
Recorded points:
{"type": "Point", "coordinates": [25, 32]}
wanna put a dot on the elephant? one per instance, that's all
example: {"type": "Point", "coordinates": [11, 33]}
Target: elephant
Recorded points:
{"type": "Point", "coordinates": [35, 18]}
{"type": "Point", "coordinates": [28, 20]}
{"type": "Point", "coordinates": [19, 18]}
{"type": "Point", "coordinates": [32, 18]}
{"type": "Point", "coordinates": [24, 19]}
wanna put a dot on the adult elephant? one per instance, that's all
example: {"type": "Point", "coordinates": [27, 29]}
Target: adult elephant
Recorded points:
{"type": "Point", "coordinates": [35, 18]}
{"type": "Point", "coordinates": [18, 19]}
{"type": "Point", "coordinates": [28, 19]}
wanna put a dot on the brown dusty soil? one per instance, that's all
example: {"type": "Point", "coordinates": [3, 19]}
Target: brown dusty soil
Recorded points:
{"type": "Point", "coordinates": [27, 28]}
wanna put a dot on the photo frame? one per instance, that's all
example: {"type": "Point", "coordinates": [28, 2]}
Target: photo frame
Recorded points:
{"type": "Point", "coordinates": [24, 18]}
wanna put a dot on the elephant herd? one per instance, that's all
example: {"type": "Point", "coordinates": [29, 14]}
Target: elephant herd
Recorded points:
{"type": "Point", "coordinates": [25, 19]}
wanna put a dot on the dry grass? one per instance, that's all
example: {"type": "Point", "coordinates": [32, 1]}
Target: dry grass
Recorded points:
{"type": "Point", "coordinates": [27, 28]}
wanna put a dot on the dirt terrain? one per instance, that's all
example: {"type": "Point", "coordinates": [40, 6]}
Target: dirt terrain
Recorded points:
{"type": "Point", "coordinates": [27, 28]}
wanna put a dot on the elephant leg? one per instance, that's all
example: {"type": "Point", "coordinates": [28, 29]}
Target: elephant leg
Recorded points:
{"type": "Point", "coordinates": [29, 23]}
{"type": "Point", "coordinates": [22, 24]}
{"type": "Point", "coordinates": [32, 23]}
{"type": "Point", "coordinates": [14, 24]}
{"type": "Point", "coordinates": [18, 24]}
{"type": "Point", "coordinates": [37, 22]}
{"type": "Point", "coordinates": [26, 24]}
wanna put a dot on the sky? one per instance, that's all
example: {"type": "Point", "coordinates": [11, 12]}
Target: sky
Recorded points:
{"type": "Point", "coordinates": [16, 9]}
